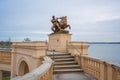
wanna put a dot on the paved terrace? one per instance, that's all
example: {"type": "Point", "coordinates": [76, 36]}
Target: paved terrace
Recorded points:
{"type": "Point", "coordinates": [73, 76]}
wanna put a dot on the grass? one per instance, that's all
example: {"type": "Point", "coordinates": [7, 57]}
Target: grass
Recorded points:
{"type": "Point", "coordinates": [6, 78]}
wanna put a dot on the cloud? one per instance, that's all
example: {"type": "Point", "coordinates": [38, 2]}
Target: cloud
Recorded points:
{"type": "Point", "coordinates": [24, 32]}
{"type": "Point", "coordinates": [88, 18]}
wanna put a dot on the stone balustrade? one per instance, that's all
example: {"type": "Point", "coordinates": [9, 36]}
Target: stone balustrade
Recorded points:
{"type": "Point", "coordinates": [100, 69]}
{"type": "Point", "coordinates": [44, 72]}
{"type": "Point", "coordinates": [117, 72]}
{"type": "Point", "coordinates": [91, 66]}
{"type": "Point", "coordinates": [5, 56]}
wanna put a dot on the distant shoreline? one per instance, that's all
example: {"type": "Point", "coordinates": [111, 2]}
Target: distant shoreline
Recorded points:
{"type": "Point", "coordinates": [104, 42]}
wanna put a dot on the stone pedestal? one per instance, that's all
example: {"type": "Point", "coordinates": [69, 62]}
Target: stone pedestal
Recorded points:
{"type": "Point", "coordinates": [58, 42]}
{"type": "Point", "coordinates": [0, 75]}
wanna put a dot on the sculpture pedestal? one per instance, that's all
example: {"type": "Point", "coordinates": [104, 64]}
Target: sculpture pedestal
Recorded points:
{"type": "Point", "coordinates": [58, 42]}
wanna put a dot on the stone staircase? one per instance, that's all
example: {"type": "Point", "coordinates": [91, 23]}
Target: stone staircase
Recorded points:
{"type": "Point", "coordinates": [64, 62]}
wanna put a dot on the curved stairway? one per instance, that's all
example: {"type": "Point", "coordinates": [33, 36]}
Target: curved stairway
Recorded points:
{"type": "Point", "coordinates": [64, 62]}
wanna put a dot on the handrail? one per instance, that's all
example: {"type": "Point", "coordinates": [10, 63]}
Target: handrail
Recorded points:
{"type": "Point", "coordinates": [75, 48]}
{"type": "Point", "coordinates": [53, 54]}
{"type": "Point", "coordinates": [38, 73]}
{"type": "Point", "coordinates": [78, 52]}
{"type": "Point", "coordinates": [51, 50]}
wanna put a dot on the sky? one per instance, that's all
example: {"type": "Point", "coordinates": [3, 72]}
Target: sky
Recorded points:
{"type": "Point", "coordinates": [90, 20]}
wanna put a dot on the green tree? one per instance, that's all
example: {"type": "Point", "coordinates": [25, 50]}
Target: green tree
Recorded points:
{"type": "Point", "coordinates": [26, 40]}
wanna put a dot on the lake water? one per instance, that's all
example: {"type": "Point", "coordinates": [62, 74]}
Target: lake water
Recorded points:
{"type": "Point", "coordinates": [5, 48]}
{"type": "Point", "coordinates": [109, 52]}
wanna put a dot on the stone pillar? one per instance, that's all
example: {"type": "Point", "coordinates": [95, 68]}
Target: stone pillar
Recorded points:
{"type": "Point", "coordinates": [110, 72]}
{"type": "Point", "coordinates": [13, 65]}
{"type": "Point", "coordinates": [0, 75]}
{"type": "Point", "coordinates": [58, 42]}
{"type": "Point", "coordinates": [103, 71]}
{"type": "Point", "coordinates": [13, 61]}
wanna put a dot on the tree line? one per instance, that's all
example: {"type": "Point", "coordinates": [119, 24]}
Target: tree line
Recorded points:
{"type": "Point", "coordinates": [8, 43]}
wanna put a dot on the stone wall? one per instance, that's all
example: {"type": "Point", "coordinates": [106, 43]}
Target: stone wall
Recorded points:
{"type": "Point", "coordinates": [31, 53]}
{"type": "Point", "coordinates": [43, 72]}
{"type": "Point", "coordinates": [5, 62]}
{"type": "Point", "coordinates": [5, 56]}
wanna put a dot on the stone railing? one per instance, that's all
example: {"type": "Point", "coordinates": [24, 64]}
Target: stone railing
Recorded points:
{"type": "Point", "coordinates": [5, 56]}
{"type": "Point", "coordinates": [100, 69]}
{"type": "Point", "coordinates": [44, 72]}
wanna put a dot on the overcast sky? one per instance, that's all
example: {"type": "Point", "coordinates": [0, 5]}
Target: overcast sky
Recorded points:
{"type": "Point", "coordinates": [91, 20]}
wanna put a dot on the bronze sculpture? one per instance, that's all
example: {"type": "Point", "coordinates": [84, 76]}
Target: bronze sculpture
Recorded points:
{"type": "Point", "coordinates": [59, 24]}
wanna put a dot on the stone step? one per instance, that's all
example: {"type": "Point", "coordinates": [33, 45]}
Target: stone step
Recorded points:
{"type": "Point", "coordinates": [67, 63]}
{"type": "Point", "coordinates": [66, 66]}
{"type": "Point", "coordinates": [63, 59]}
{"type": "Point", "coordinates": [58, 54]}
{"type": "Point", "coordinates": [67, 70]}
{"type": "Point", "coordinates": [64, 56]}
